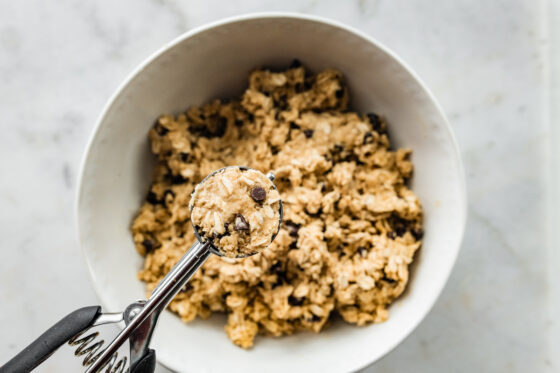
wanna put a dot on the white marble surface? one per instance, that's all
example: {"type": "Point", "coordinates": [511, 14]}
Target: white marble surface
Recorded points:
{"type": "Point", "coordinates": [486, 61]}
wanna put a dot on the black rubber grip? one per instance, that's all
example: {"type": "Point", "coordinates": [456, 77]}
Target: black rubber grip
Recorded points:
{"type": "Point", "coordinates": [49, 341]}
{"type": "Point", "coordinates": [147, 364]}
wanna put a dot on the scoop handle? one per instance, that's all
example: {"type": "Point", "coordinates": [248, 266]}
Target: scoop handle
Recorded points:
{"type": "Point", "coordinates": [58, 334]}
{"type": "Point", "coordinates": [139, 327]}
{"type": "Point", "coordinates": [147, 364]}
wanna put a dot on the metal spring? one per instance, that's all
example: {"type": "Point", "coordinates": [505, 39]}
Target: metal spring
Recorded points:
{"type": "Point", "coordinates": [92, 348]}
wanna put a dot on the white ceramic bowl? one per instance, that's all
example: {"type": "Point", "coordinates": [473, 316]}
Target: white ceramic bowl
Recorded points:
{"type": "Point", "coordinates": [214, 61]}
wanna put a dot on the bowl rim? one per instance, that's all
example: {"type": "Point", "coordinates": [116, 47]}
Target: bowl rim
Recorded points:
{"type": "Point", "coordinates": [462, 188]}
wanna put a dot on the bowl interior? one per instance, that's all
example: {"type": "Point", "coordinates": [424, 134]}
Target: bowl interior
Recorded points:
{"type": "Point", "coordinates": [215, 62]}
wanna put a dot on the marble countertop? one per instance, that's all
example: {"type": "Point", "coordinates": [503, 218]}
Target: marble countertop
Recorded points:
{"type": "Point", "coordinates": [486, 61]}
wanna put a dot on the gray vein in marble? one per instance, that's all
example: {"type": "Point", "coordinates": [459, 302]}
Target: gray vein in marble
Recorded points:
{"type": "Point", "coordinates": [368, 7]}
{"type": "Point", "coordinates": [175, 9]}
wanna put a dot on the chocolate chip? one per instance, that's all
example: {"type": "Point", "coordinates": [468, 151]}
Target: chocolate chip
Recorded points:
{"type": "Point", "coordinates": [176, 179]}
{"type": "Point", "coordinates": [362, 251]}
{"type": "Point", "coordinates": [314, 318]}
{"type": "Point", "coordinates": [295, 301]}
{"type": "Point", "coordinates": [161, 130]}
{"type": "Point", "coordinates": [376, 123]}
{"type": "Point", "coordinates": [349, 158]}
{"type": "Point", "coordinates": [278, 282]}
{"type": "Point", "coordinates": [148, 245]}
{"type": "Point", "coordinates": [281, 277]}
{"type": "Point", "coordinates": [166, 193]}
{"type": "Point", "coordinates": [274, 150]}
{"type": "Point", "coordinates": [241, 223]}
{"type": "Point", "coordinates": [295, 63]}
{"type": "Point", "coordinates": [315, 214]}
{"type": "Point", "coordinates": [152, 198]}
{"type": "Point", "coordinates": [400, 226]}
{"type": "Point", "coordinates": [292, 228]}
{"type": "Point", "coordinates": [282, 104]}
{"type": "Point", "coordinates": [184, 157]}
{"type": "Point", "coordinates": [373, 118]}
{"type": "Point", "coordinates": [258, 194]}
{"type": "Point", "coordinates": [200, 130]}
{"type": "Point", "coordinates": [220, 126]}
{"type": "Point", "coordinates": [338, 148]}
{"type": "Point", "coordinates": [388, 280]}
{"type": "Point", "coordinates": [367, 138]}
{"type": "Point", "coordinates": [216, 127]}
{"type": "Point", "coordinates": [308, 133]}
{"type": "Point", "coordinates": [339, 93]}
{"type": "Point", "coordinates": [294, 126]}
{"type": "Point", "coordinates": [276, 268]}
{"type": "Point", "coordinates": [418, 233]}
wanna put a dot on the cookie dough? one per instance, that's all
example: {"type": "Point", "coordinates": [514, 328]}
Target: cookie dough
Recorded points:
{"type": "Point", "coordinates": [238, 209]}
{"type": "Point", "coordinates": [351, 226]}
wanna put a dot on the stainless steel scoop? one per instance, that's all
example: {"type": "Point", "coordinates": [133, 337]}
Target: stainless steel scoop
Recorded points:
{"type": "Point", "coordinates": [140, 319]}
{"type": "Point", "coordinates": [198, 234]}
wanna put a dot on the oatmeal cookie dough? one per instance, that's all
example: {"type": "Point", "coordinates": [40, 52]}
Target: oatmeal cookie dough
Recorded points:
{"type": "Point", "coordinates": [238, 209]}
{"type": "Point", "coordinates": [351, 226]}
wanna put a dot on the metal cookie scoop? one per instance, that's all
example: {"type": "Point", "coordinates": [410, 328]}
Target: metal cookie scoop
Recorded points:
{"type": "Point", "coordinates": [201, 237]}
{"type": "Point", "coordinates": [140, 319]}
